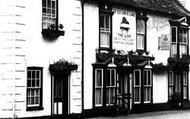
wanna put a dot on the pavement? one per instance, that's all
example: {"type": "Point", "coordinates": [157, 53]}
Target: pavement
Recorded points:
{"type": "Point", "coordinates": [172, 114]}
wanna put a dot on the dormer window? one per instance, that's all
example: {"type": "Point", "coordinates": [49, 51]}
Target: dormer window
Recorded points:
{"type": "Point", "coordinates": [179, 33]}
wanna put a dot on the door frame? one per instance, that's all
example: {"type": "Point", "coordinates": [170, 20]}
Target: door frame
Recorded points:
{"type": "Point", "coordinates": [52, 94]}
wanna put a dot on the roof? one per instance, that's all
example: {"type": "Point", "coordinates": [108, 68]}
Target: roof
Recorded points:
{"type": "Point", "coordinates": [173, 7]}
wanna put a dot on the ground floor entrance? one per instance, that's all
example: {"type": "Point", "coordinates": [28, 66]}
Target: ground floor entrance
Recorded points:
{"type": "Point", "coordinates": [60, 92]}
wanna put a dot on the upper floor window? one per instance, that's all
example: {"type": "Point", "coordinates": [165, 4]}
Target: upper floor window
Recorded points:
{"type": "Point", "coordinates": [140, 34]}
{"type": "Point", "coordinates": [105, 30]}
{"type": "Point", "coordinates": [141, 30]}
{"type": "Point", "coordinates": [49, 14]}
{"type": "Point", "coordinates": [179, 34]}
{"type": "Point", "coordinates": [34, 88]}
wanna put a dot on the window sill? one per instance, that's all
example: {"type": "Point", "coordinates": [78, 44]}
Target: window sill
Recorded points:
{"type": "Point", "coordinates": [52, 34]}
{"type": "Point", "coordinates": [34, 108]}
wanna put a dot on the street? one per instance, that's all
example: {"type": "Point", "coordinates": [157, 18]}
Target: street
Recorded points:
{"type": "Point", "coordinates": [173, 114]}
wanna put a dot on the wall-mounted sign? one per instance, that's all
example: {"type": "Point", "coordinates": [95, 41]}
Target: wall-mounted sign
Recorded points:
{"type": "Point", "coordinates": [164, 42]}
{"type": "Point", "coordinates": [124, 30]}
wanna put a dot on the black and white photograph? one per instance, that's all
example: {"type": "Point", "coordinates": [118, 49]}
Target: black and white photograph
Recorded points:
{"type": "Point", "coordinates": [94, 59]}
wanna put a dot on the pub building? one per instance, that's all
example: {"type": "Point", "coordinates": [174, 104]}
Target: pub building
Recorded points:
{"type": "Point", "coordinates": [138, 51]}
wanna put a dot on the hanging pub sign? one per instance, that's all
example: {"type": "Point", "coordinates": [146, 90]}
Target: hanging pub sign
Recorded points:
{"type": "Point", "coordinates": [124, 30]}
{"type": "Point", "coordinates": [164, 42]}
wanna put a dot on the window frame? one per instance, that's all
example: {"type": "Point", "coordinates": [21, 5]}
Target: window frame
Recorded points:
{"type": "Point", "coordinates": [110, 86]}
{"type": "Point", "coordinates": [105, 9]}
{"type": "Point", "coordinates": [40, 106]}
{"type": "Point", "coordinates": [185, 85]}
{"type": "Point", "coordinates": [137, 86]}
{"type": "Point", "coordinates": [50, 17]}
{"type": "Point", "coordinates": [142, 15]}
{"type": "Point", "coordinates": [99, 87]}
{"type": "Point", "coordinates": [147, 86]}
{"type": "Point", "coordinates": [170, 85]}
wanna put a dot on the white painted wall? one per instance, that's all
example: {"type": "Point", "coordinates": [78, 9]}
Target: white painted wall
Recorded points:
{"type": "Point", "coordinates": [91, 41]}
{"type": "Point", "coordinates": [156, 26]}
{"type": "Point", "coordinates": [23, 45]}
{"type": "Point", "coordinates": [160, 88]}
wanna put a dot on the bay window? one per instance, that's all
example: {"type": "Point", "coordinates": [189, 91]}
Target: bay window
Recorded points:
{"type": "Point", "coordinates": [105, 86]}
{"type": "Point", "coordinates": [142, 86]}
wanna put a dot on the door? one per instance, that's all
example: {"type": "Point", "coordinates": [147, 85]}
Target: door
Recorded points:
{"type": "Point", "coordinates": [60, 95]}
{"type": "Point", "coordinates": [125, 88]}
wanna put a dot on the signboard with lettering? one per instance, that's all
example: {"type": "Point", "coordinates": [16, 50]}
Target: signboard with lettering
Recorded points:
{"type": "Point", "coordinates": [164, 42]}
{"type": "Point", "coordinates": [124, 30]}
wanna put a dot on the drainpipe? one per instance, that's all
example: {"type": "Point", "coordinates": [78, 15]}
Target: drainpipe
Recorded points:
{"type": "Point", "coordinates": [82, 82]}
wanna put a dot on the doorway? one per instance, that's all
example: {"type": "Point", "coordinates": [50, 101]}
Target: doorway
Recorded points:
{"type": "Point", "coordinates": [125, 87]}
{"type": "Point", "coordinates": [60, 91]}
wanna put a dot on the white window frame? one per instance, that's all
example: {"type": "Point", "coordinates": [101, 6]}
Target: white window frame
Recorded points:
{"type": "Point", "coordinates": [112, 86]}
{"type": "Point", "coordinates": [137, 86]}
{"type": "Point", "coordinates": [29, 89]}
{"type": "Point", "coordinates": [48, 19]}
{"type": "Point", "coordinates": [99, 87]}
{"type": "Point", "coordinates": [148, 85]}
{"type": "Point", "coordinates": [104, 30]}
{"type": "Point", "coordinates": [141, 34]}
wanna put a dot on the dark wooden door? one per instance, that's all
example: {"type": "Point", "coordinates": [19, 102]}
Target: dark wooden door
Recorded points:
{"type": "Point", "coordinates": [60, 99]}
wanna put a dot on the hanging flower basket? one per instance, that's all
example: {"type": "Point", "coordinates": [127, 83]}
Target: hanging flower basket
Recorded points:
{"type": "Point", "coordinates": [63, 66]}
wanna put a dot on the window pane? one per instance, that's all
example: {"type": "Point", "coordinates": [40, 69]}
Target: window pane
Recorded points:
{"type": "Point", "coordinates": [53, 4]}
{"type": "Point", "coordinates": [137, 95]}
{"type": "Point", "coordinates": [101, 21]}
{"type": "Point", "coordinates": [112, 77]}
{"type": "Point", "coordinates": [149, 78]}
{"type": "Point", "coordinates": [173, 49]}
{"type": "Point", "coordinates": [171, 91]}
{"type": "Point", "coordinates": [44, 3]}
{"type": "Point", "coordinates": [145, 78]}
{"type": "Point", "coordinates": [170, 78]}
{"type": "Point", "coordinates": [174, 31]}
{"type": "Point", "coordinates": [183, 49]}
{"type": "Point", "coordinates": [107, 95]}
{"type": "Point", "coordinates": [137, 80]}
{"type": "Point", "coordinates": [112, 94]}
{"type": "Point", "coordinates": [104, 38]}
{"type": "Point", "coordinates": [107, 22]}
{"type": "Point", "coordinates": [185, 92]}
{"type": "Point", "coordinates": [141, 26]}
{"type": "Point", "coordinates": [140, 41]}
{"type": "Point", "coordinates": [98, 95]}
{"type": "Point", "coordinates": [99, 78]}
{"type": "Point", "coordinates": [49, 3]}
{"type": "Point", "coordinates": [108, 78]}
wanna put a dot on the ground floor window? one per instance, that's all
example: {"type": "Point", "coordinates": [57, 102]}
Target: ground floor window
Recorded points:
{"type": "Point", "coordinates": [142, 86]}
{"type": "Point", "coordinates": [98, 87]}
{"type": "Point", "coordinates": [105, 86]}
{"type": "Point", "coordinates": [34, 87]}
{"type": "Point", "coordinates": [178, 83]}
